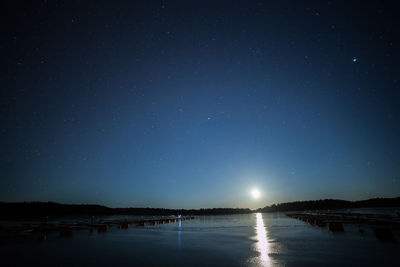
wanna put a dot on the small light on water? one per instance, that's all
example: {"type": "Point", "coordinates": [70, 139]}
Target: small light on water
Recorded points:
{"type": "Point", "coordinates": [179, 231]}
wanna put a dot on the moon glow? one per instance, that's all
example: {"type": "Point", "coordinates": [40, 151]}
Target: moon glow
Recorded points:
{"type": "Point", "coordinates": [255, 193]}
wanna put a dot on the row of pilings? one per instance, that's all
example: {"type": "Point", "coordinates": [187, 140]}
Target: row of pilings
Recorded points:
{"type": "Point", "coordinates": [103, 226]}
{"type": "Point", "coordinates": [382, 225]}
{"type": "Point", "coordinates": [68, 229]}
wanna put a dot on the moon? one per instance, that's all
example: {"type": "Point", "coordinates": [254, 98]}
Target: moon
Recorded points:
{"type": "Point", "coordinates": [255, 193]}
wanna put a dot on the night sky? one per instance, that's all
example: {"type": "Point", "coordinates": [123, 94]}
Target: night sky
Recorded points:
{"type": "Point", "coordinates": [192, 104]}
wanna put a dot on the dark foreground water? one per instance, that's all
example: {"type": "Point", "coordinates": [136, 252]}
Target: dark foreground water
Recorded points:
{"type": "Point", "coordinates": [231, 240]}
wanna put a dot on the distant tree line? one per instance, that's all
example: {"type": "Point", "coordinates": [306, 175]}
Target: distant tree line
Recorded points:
{"type": "Point", "coordinates": [327, 204]}
{"type": "Point", "coordinates": [52, 209]}
{"type": "Point", "coordinates": [43, 209]}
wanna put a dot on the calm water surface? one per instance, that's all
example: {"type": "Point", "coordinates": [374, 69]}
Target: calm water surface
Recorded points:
{"type": "Point", "coordinates": [233, 240]}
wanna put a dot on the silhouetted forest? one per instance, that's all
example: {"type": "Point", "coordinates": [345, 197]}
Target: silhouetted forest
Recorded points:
{"type": "Point", "coordinates": [52, 209]}
{"type": "Point", "coordinates": [328, 204]}
{"type": "Point", "coordinates": [43, 209]}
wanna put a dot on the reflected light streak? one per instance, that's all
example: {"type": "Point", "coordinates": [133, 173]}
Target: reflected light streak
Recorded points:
{"type": "Point", "coordinates": [262, 245]}
{"type": "Point", "coordinates": [179, 232]}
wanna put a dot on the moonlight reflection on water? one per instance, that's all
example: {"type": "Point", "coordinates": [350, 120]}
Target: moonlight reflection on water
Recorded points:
{"type": "Point", "coordinates": [262, 244]}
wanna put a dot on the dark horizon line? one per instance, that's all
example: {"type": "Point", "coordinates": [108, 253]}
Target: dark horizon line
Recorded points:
{"type": "Point", "coordinates": [132, 207]}
{"type": "Point", "coordinates": [244, 208]}
{"type": "Point", "coordinates": [35, 208]}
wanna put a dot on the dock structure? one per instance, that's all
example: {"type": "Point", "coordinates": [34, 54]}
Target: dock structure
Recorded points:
{"type": "Point", "coordinates": [382, 225]}
{"type": "Point", "coordinates": [68, 229]}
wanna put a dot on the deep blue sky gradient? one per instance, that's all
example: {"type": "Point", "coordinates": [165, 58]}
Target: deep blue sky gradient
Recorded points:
{"type": "Point", "coordinates": [189, 105]}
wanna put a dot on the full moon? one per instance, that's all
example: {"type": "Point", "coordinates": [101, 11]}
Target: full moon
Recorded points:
{"type": "Point", "coordinates": [255, 193]}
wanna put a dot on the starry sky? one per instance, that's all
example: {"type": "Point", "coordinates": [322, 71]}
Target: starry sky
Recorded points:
{"type": "Point", "coordinates": [191, 104]}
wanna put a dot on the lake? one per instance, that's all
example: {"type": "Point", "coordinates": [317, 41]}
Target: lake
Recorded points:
{"type": "Point", "coordinates": [259, 239]}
